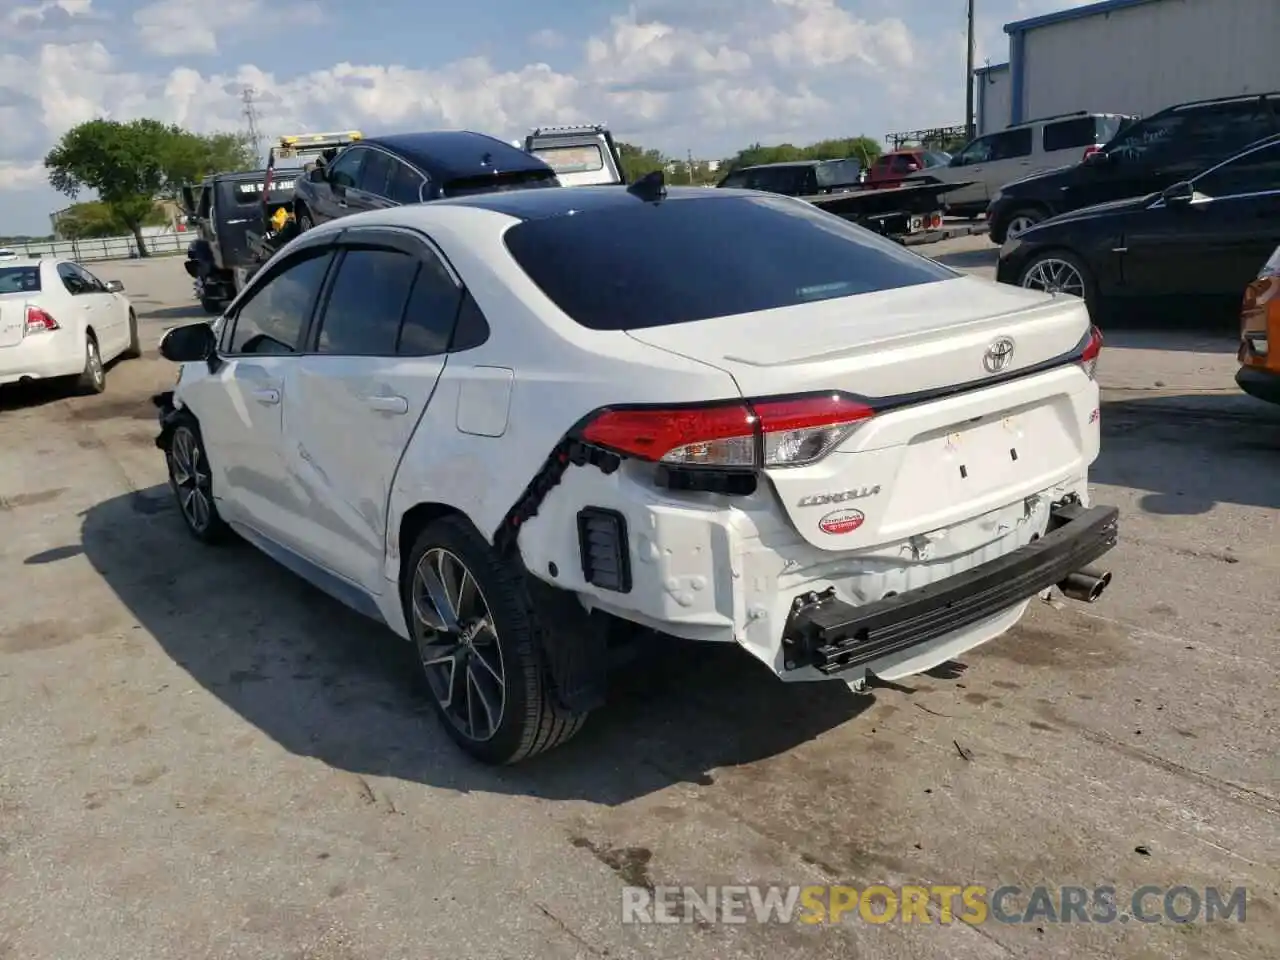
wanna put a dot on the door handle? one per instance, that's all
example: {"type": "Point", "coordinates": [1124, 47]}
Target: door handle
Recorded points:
{"type": "Point", "coordinates": [385, 404]}
{"type": "Point", "coordinates": [267, 396]}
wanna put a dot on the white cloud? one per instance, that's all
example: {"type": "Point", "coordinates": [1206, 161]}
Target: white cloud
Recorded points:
{"type": "Point", "coordinates": [36, 12]}
{"type": "Point", "coordinates": [22, 176]}
{"type": "Point", "coordinates": [173, 28]}
{"type": "Point", "coordinates": [676, 79]}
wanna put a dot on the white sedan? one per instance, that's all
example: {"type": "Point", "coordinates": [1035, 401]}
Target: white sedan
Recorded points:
{"type": "Point", "coordinates": [59, 320]}
{"type": "Point", "coordinates": [522, 428]}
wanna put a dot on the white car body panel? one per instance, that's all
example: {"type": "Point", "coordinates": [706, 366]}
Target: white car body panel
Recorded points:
{"type": "Point", "coordinates": [58, 353]}
{"type": "Point", "coordinates": [330, 478]}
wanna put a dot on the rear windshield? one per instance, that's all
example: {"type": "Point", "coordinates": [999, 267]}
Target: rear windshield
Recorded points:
{"type": "Point", "coordinates": [23, 279]}
{"type": "Point", "coordinates": [578, 158]}
{"type": "Point", "coordinates": [497, 183]}
{"type": "Point", "coordinates": [650, 265]}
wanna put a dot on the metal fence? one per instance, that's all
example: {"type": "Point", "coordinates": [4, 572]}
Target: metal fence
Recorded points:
{"type": "Point", "coordinates": [104, 248]}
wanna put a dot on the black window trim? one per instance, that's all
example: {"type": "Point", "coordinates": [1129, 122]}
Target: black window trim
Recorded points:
{"type": "Point", "coordinates": [1271, 143]}
{"type": "Point", "coordinates": [295, 256]}
{"type": "Point", "coordinates": [404, 240]}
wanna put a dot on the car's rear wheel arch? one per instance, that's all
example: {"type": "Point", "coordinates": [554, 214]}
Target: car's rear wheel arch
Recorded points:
{"type": "Point", "coordinates": [416, 519]}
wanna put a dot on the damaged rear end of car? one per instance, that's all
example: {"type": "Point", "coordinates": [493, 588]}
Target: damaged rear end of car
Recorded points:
{"type": "Point", "coordinates": [905, 468]}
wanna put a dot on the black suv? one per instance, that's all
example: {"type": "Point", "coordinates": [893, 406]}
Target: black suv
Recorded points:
{"type": "Point", "coordinates": [797, 178]}
{"type": "Point", "coordinates": [411, 168]}
{"type": "Point", "coordinates": [1147, 156]}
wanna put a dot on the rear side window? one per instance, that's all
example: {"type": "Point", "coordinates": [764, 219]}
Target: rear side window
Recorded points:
{"type": "Point", "coordinates": [375, 172]}
{"type": "Point", "coordinates": [651, 265]}
{"type": "Point", "coordinates": [24, 279]}
{"type": "Point", "coordinates": [1071, 134]}
{"type": "Point", "coordinates": [431, 312]}
{"type": "Point", "coordinates": [366, 302]}
{"type": "Point", "coordinates": [404, 185]}
{"type": "Point", "coordinates": [1011, 144]}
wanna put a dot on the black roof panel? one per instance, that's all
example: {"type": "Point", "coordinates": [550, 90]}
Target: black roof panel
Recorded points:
{"type": "Point", "coordinates": [458, 154]}
{"type": "Point", "coordinates": [544, 204]}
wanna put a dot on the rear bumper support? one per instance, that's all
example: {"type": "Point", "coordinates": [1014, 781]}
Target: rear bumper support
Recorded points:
{"type": "Point", "coordinates": [833, 636]}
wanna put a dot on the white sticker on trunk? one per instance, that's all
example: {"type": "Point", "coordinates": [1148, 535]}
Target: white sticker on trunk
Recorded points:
{"type": "Point", "coordinates": [841, 521]}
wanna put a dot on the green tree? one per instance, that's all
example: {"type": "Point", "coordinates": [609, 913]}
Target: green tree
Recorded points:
{"type": "Point", "coordinates": [131, 165]}
{"type": "Point", "coordinates": [863, 149]}
{"type": "Point", "coordinates": [637, 161]}
{"type": "Point", "coordinates": [84, 221]}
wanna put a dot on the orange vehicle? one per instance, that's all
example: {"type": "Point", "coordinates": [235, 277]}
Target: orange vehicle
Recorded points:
{"type": "Point", "coordinates": [1259, 374]}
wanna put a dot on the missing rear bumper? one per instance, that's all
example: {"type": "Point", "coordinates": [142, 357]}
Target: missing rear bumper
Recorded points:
{"type": "Point", "coordinates": [834, 637]}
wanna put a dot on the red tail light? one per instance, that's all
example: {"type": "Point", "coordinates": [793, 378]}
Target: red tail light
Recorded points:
{"type": "Point", "coordinates": [38, 321]}
{"type": "Point", "coordinates": [1090, 151]}
{"type": "Point", "coordinates": [1092, 350]}
{"type": "Point", "coordinates": [935, 221]}
{"type": "Point", "coordinates": [774, 432]}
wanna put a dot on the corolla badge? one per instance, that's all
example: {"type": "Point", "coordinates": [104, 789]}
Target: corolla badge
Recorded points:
{"type": "Point", "coordinates": [820, 499]}
{"type": "Point", "coordinates": [841, 521]}
{"type": "Point", "coordinates": [999, 355]}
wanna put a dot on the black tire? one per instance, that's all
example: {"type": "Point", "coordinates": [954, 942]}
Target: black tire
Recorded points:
{"type": "Point", "coordinates": [206, 526]}
{"type": "Point", "coordinates": [1088, 281]}
{"type": "Point", "coordinates": [211, 306]}
{"type": "Point", "coordinates": [93, 378]}
{"type": "Point", "coordinates": [531, 721]}
{"type": "Point", "coordinates": [302, 217]}
{"type": "Point", "coordinates": [135, 342]}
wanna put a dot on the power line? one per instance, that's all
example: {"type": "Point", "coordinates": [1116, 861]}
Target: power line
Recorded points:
{"type": "Point", "coordinates": [249, 97]}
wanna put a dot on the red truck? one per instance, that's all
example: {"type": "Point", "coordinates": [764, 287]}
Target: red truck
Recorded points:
{"type": "Point", "coordinates": [893, 167]}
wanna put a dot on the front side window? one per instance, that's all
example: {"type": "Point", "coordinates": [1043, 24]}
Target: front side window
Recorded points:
{"type": "Point", "coordinates": [366, 303]}
{"type": "Point", "coordinates": [91, 282]}
{"type": "Point", "coordinates": [650, 265]}
{"type": "Point", "coordinates": [1255, 172]}
{"type": "Point", "coordinates": [273, 318]}
{"type": "Point", "coordinates": [979, 151]}
{"type": "Point", "coordinates": [345, 170]}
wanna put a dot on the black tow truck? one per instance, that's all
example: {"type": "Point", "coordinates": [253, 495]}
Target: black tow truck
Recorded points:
{"type": "Point", "coordinates": [242, 219]}
{"type": "Point", "coordinates": [904, 212]}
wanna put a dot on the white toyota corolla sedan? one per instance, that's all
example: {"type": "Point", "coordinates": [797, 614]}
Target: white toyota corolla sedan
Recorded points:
{"type": "Point", "coordinates": [58, 320]}
{"type": "Point", "coordinates": [523, 428]}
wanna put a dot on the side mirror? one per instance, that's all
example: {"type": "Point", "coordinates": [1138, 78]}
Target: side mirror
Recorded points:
{"type": "Point", "coordinates": [1179, 194]}
{"type": "Point", "coordinates": [316, 174]}
{"type": "Point", "coordinates": [115, 286]}
{"type": "Point", "coordinates": [1099, 159]}
{"type": "Point", "coordinates": [189, 343]}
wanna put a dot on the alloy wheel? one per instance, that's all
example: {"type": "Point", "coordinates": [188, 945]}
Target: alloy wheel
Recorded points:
{"type": "Point", "coordinates": [191, 479]}
{"type": "Point", "coordinates": [1054, 275]}
{"type": "Point", "coordinates": [1020, 225]}
{"type": "Point", "coordinates": [458, 645]}
{"type": "Point", "coordinates": [93, 363]}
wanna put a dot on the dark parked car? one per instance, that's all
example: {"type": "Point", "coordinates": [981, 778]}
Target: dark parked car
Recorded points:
{"type": "Point", "coordinates": [411, 168]}
{"type": "Point", "coordinates": [1188, 250]}
{"type": "Point", "coordinates": [1145, 157]}
{"type": "Point", "coordinates": [797, 178]}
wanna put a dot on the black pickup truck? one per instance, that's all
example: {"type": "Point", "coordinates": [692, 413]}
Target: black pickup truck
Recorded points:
{"type": "Point", "coordinates": [838, 187]}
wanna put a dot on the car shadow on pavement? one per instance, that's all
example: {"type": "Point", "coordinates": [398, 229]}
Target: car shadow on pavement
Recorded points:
{"type": "Point", "coordinates": [325, 682]}
{"type": "Point", "coordinates": [1191, 453]}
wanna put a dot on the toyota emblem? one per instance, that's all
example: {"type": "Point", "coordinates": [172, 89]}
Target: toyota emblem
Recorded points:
{"type": "Point", "coordinates": [999, 355]}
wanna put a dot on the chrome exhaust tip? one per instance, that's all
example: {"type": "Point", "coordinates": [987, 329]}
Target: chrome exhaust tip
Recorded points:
{"type": "Point", "coordinates": [1085, 585]}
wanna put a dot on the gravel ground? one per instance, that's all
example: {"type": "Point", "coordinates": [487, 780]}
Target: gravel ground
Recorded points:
{"type": "Point", "coordinates": [203, 757]}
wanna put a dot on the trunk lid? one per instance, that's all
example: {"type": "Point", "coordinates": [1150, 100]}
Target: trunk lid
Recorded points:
{"type": "Point", "coordinates": [932, 457]}
{"type": "Point", "coordinates": [13, 318]}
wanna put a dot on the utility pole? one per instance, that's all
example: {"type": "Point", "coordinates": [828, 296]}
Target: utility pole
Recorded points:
{"type": "Point", "coordinates": [968, 81]}
{"type": "Point", "coordinates": [248, 96]}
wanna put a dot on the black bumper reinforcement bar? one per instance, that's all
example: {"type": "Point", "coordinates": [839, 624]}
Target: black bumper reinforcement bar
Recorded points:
{"type": "Point", "coordinates": [834, 636]}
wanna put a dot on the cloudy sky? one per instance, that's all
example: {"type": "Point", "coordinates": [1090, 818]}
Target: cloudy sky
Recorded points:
{"type": "Point", "coordinates": [709, 76]}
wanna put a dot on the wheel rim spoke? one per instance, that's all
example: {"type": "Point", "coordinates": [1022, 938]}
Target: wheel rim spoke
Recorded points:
{"type": "Point", "coordinates": [458, 645]}
{"type": "Point", "coordinates": [1055, 276]}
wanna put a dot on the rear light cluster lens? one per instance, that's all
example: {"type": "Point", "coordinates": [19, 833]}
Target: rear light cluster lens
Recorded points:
{"type": "Point", "coordinates": [1092, 350]}
{"type": "Point", "coordinates": [935, 221]}
{"type": "Point", "coordinates": [38, 321]}
{"type": "Point", "coordinates": [778, 432]}
{"type": "Point", "coordinates": [1090, 151]}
